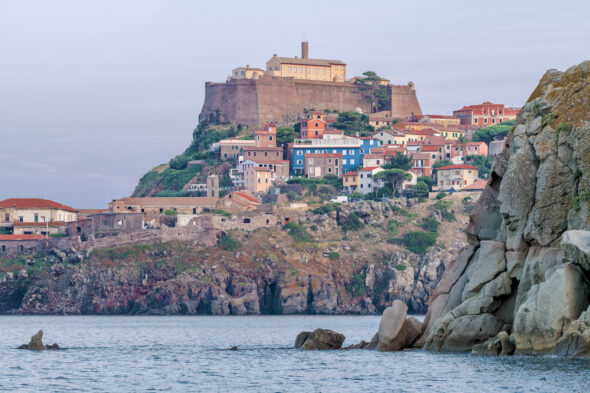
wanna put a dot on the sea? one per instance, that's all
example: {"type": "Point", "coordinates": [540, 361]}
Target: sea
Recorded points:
{"type": "Point", "coordinates": [192, 354]}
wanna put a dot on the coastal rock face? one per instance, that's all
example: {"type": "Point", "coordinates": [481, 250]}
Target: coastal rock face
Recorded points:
{"type": "Point", "coordinates": [395, 331]}
{"type": "Point", "coordinates": [523, 284]}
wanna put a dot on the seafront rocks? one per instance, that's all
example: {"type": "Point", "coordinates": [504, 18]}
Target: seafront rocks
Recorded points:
{"type": "Point", "coordinates": [524, 284]}
{"type": "Point", "coordinates": [320, 339]}
{"type": "Point", "coordinates": [36, 343]}
{"type": "Point", "coordinates": [395, 331]}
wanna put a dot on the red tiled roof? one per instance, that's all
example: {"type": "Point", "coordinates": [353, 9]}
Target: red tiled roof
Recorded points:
{"type": "Point", "coordinates": [247, 197]}
{"type": "Point", "coordinates": [415, 143]}
{"type": "Point", "coordinates": [34, 203]}
{"type": "Point", "coordinates": [442, 117]}
{"type": "Point", "coordinates": [353, 173]}
{"type": "Point", "coordinates": [324, 155]}
{"type": "Point", "coordinates": [373, 155]}
{"type": "Point", "coordinates": [425, 131]}
{"type": "Point", "coordinates": [429, 148]}
{"type": "Point", "coordinates": [460, 166]}
{"type": "Point", "coordinates": [436, 140]}
{"type": "Point", "coordinates": [22, 237]}
{"type": "Point", "coordinates": [39, 224]}
{"type": "Point", "coordinates": [478, 184]}
{"type": "Point", "coordinates": [371, 168]}
{"type": "Point", "coordinates": [254, 148]}
{"type": "Point", "coordinates": [260, 169]}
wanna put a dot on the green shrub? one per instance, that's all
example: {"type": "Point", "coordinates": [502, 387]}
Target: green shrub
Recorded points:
{"type": "Point", "coordinates": [430, 224]}
{"type": "Point", "coordinates": [298, 232]}
{"type": "Point", "coordinates": [171, 193]}
{"type": "Point", "coordinates": [584, 196]}
{"type": "Point", "coordinates": [292, 196]}
{"type": "Point", "coordinates": [419, 242]}
{"type": "Point", "coordinates": [441, 195]}
{"type": "Point", "coordinates": [327, 208]}
{"type": "Point", "coordinates": [333, 256]}
{"type": "Point", "coordinates": [170, 212]}
{"type": "Point", "coordinates": [223, 213]}
{"type": "Point", "coordinates": [400, 267]}
{"type": "Point", "coordinates": [58, 235]}
{"type": "Point", "coordinates": [357, 285]}
{"type": "Point", "coordinates": [179, 162]}
{"type": "Point", "coordinates": [229, 243]}
{"type": "Point", "coordinates": [353, 224]}
{"type": "Point", "coordinates": [443, 208]}
{"type": "Point", "coordinates": [548, 119]}
{"type": "Point", "coordinates": [393, 227]}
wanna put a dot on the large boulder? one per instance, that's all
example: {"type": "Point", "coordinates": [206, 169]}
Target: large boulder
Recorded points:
{"type": "Point", "coordinates": [550, 308]}
{"type": "Point", "coordinates": [576, 245]}
{"type": "Point", "coordinates": [575, 342]}
{"type": "Point", "coordinates": [320, 339]}
{"type": "Point", "coordinates": [36, 343]}
{"type": "Point", "coordinates": [464, 332]}
{"type": "Point", "coordinates": [391, 324]}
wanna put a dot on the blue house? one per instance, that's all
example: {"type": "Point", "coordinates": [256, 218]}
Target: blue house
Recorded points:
{"type": "Point", "coordinates": [350, 148]}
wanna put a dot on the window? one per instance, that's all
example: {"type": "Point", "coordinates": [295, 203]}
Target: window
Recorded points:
{"type": "Point", "coordinates": [276, 68]}
{"type": "Point", "coordinates": [317, 70]}
{"type": "Point", "coordinates": [6, 217]}
{"type": "Point", "coordinates": [485, 121]}
{"type": "Point", "coordinates": [270, 138]}
{"type": "Point", "coordinates": [21, 248]}
{"type": "Point", "coordinates": [329, 170]}
{"type": "Point", "coordinates": [289, 69]}
{"type": "Point", "coordinates": [307, 71]}
{"type": "Point", "coordinates": [351, 162]}
{"type": "Point", "coordinates": [3, 248]}
{"type": "Point", "coordinates": [344, 161]}
{"type": "Point", "coordinates": [246, 221]}
{"type": "Point", "coordinates": [21, 219]}
{"type": "Point", "coordinates": [299, 152]}
{"type": "Point", "coordinates": [475, 121]}
{"type": "Point", "coordinates": [161, 210]}
{"type": "Point", "coordinates": [324, 71]}
{"type": "Point", "coordinates": [301, 70]}
{"type": "Point", "coordinates": [329, 160]}
{"type": "Point", "coordinates": [351, 152]}
{"type": "Point", "coordinates": [298, 162]}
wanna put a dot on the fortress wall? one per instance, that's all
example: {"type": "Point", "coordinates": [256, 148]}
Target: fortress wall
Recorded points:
{"type": "Point", "coordinates": [404, 102]}
{"type": "Point", "coordinates": [283, 100]}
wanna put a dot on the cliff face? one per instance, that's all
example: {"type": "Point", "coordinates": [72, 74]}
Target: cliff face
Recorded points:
{"type": "Point", "coordinates": [335, 272]}
{"type": "Point", "coordinates": [523, 283]}
{"type": "Point", "coordinates": [255, 102]}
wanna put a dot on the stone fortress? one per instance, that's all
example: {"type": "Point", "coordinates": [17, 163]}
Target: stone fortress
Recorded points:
{"type": "Point", "coordinates": [290, 85]}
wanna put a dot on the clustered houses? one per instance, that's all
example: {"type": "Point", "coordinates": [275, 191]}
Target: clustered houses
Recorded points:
{"type": "Point", "coordinates": [486, 114]}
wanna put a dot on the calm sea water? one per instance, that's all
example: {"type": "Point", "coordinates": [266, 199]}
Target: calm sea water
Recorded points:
{"type": "Point", "coordinates": [186, 354]}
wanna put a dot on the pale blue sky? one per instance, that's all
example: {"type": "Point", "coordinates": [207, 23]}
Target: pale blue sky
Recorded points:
{"type": "Point", "coordinates": [95, 93]}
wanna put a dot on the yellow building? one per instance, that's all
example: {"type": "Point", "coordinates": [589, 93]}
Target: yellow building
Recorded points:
{"type": "Point", "coordinates": [257, 179]}
{"type": "Point", "coordinates": [456, 176]}
{"type": "Point", "coordinates": [449, 132]}
{"type": "Point", "coordinates": [247, 73]}
{"type": "Point", "coordinates": [34, 210]}
{"type": "Point", "coordinates": [350, 181]}
{"type": "Point", "coordinates": [442, 120]}
{"type": "Point", "coordinates": [391, 137]}
{"type": "Point", "coordinates": [306, 68]}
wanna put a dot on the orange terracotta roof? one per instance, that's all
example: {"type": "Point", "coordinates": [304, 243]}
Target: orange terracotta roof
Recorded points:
{"type": "Point", "coordinates": [351, 173]}
{"type": "Point", "coordinates": [442, 117]}
{"type": "Point", "coordinates": [244, 195]}
{"type": "Point", "coordinates": [254, 148]}
{"type": "Point", "coordinates": [429, 148]}
{"type": "Point", "coordinates": [460, 166]}
{"type": "Point", "coordinates": [374, 155]}
{"type": "Point", "coordinates": [34, 203]}
{"type": "Point", "coordinates": [371, 168]}
{"type": "Point", "coordinates": [22, 237]}
{"type": "Point", "coordinates": [478, 184]}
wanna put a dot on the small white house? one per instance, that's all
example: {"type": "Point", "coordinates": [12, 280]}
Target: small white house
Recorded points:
{"type": "Point", "coordinates": [366, 182]}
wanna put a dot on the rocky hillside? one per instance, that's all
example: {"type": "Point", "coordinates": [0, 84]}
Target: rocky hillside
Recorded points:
{"type": "Point", "coordinates": [523, 283]}
{"type": "Point", "coordinates": [329, 263]}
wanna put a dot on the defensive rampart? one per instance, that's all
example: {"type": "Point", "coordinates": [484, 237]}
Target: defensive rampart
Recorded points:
{"type": "Point", "coordinates": [253, 102]}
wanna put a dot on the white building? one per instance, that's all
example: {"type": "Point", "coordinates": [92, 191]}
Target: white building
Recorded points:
{"type": "Point", "coordinates": [367, 183]}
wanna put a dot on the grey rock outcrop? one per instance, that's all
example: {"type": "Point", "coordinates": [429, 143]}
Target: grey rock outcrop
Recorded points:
{"type": "Point", "coordinates": [36, 343]}
{"type": "Point", "coordinates": [396, 331]}
{"type": "Point", "coordinates": [523, 284]}
{"type": "Point", "coordinates": [320, 339]}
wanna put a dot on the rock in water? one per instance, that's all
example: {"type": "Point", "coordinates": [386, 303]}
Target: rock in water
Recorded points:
{"type": "Point", "coordinates": [36, 343]}
{"type": "Point", "coordinates": [321, 339]}
{"type": "Point", "coordinates": [391, 324]}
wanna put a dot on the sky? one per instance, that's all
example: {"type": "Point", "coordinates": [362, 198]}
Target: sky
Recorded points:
{"type": "Point", "coordinates": [93, 94]}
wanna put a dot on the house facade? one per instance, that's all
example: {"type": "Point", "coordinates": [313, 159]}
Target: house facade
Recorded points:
{"type": "Point", "coordinates": [231, 149]}
{"type": "Point", "coordinates": [349, 148]}
{"type": "Point", "coordinates": [367, 183]}
{"type": "Point", "coordinates": [34, 210]}
{"type": "Point", "coordinates": [321, 164]}
{"type": "Point", "coordinates": [350, 181]}
{"type": "Point", "coordinates": [159, 205]}
{"type": "Point", "coordinates": [486, 114]}
{"type": "Point", "coordinates": [312, 129]}
{"type": "Point", "coordinates": [257, 179]}
{"type": "Point", "coordinates": [456, 176]}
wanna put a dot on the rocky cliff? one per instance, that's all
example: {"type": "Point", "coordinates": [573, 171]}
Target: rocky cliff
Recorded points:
{"type": "Point", "coordinates": [523, 283]}
{"type": "Point", "coordinates": [266, 271]}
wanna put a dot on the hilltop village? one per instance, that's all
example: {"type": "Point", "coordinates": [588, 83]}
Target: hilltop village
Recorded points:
{"type": "Point", "coordinates": [287, 198]}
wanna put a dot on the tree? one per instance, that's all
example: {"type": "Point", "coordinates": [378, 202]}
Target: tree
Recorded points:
{"type": "Point", "coordinates": [179, 162]}
{"type": "Point", "coordinates": [285, 135]}
{"type": "Point", "coordinates": [399, 161]}
{"type": "Point", "coordinates": [421, 190]}
{"type": "Point", "coordinates": [426, 180]}
{"type": "Point", "coordinates": [394, 176]}
{"type": "Point", "coordinates": [483, 163]}
{"type": "Point", "coordinates": [489, 134]}
{"type": "Point", "coordinates": [353, 122]}
{"type": "Point", "coordinates": [375, 92]}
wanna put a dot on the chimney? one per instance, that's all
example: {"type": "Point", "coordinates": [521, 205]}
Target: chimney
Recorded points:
{"type": "Point", "coordinates": [305, 50]}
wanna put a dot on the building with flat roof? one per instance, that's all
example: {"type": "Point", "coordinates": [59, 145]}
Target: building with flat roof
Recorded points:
{"type": "Point", "coordinates": [322, 164]}
{"type": "Point", "coordinates": [350, 149]}
{"type": "Point", "coordinates": [486, 114]}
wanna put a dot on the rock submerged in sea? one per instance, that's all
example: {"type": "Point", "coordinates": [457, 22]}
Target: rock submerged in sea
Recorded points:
{"type": "Point", "coordinates": [320, 339]}
{"type": "Point", "coordinates": [36, 343]}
